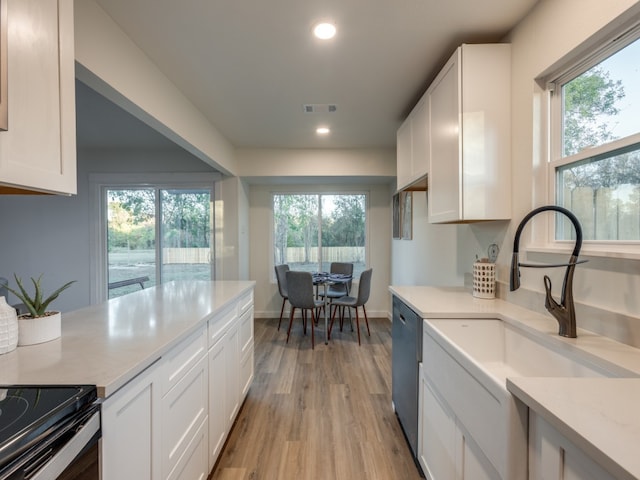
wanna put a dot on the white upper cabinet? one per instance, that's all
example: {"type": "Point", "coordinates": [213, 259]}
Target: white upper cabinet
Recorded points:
{"type": "Point", "coordinates": [412, 146]}
{"type": "Point", "coordinates": [470, 136]}
{"type": "Point", "coordinates": [38, 151]}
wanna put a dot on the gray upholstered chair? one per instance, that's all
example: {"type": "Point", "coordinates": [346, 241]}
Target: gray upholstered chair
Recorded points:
{"type": "Point", "coordinates": [301, 295]}
{"type": "Point", "coordinates": [340, 289]}
{"type": "Point", "coordinates": [281, 277]}
{"type": "Point", "coordinates": [364, 288]}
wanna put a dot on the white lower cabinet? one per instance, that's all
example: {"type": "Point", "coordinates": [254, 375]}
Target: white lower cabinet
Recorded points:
{"type": "Point", "coordinates": [130, 444]}
{"type": "Point", "coordinates": [230, 369]}
{"type": "Point", "coordinates": [171, 421]}
{"type": "Point", "coordinates": [553, 457]}
{"type": "Point", "coordinates": [445, 449]}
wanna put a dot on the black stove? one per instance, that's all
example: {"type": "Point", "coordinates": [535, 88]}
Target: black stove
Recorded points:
{"type": "Point", "coordinates": [33, 418]}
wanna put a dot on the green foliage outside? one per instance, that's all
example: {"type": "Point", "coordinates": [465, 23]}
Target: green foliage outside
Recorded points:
{"type": "Point", "coordinates": [299, 219]}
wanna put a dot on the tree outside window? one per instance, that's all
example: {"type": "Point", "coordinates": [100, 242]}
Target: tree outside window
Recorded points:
{"type": "Point", "coordinates": [313, 230]}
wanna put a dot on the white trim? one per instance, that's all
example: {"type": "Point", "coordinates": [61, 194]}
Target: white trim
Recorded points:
{"type": "Point", "coordinates": [98, 182]}
{"type": "Point", "coordinates": [585, 57]}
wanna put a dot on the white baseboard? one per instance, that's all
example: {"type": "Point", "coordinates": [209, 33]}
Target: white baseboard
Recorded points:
{"type": "Point", "coordinates": [276, 314]}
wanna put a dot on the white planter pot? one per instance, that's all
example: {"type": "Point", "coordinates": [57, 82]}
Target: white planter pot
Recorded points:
{"type": "Point", "coordinates": [8, 327]}
{"type": "Point", "coordinates": [39, 330]}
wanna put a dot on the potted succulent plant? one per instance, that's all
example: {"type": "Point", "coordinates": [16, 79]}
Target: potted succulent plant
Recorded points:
{"type": "Point", "coordinates": [39, 325]}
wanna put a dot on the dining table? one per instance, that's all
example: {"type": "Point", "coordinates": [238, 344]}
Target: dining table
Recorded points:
{"type": "Point", "coordinates": [326, 279]}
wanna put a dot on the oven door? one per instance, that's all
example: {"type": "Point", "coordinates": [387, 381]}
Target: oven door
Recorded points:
{"type": "Point", "coordinates": [68, 452]}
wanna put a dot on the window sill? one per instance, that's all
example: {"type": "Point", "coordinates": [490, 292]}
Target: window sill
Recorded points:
{"type": "Point", "coordinates": [623, 252]}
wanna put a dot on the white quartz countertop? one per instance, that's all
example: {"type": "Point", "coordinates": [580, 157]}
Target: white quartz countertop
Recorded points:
{"type": "Point", "coordinates": [110, 343]}
{"type": "Point", "coordinates": [599, 415]}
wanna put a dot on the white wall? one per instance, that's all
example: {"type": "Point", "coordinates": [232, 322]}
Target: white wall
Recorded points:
{"type": "Point", "coordinates": [109, 62]}
{"type": "Point", "coordinates": [441, 255]}
{"type": "Point", "coordinates": [50, 235]}
{"type": "Point", "coordinates": [338, 164]}
{"type": "Point", "coordinates": [267, 301]}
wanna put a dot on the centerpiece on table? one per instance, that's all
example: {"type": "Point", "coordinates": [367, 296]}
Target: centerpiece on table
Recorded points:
{"type": "Point", "coordinates": [38, 325]}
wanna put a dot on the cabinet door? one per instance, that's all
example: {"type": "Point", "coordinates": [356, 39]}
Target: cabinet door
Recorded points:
{"type": "Point", "coordinates": [438, 434]}
{"type": "Point", "coordinates": [420, 142]}
{"type": "Point", "coordinates": [38, 151]}
{"type": "Point", "coordinates": [474, 464]}
{"type": "Point", "coordinates": [403, 154]}
{"type": "Point", "coordinates": [554, 457]}
{"type": "Point", "coordinates": [218, 417]}
{"type": "Point", "coordinates": [130, 440]}
{"type": "Point", "coordinates": [445, 160]}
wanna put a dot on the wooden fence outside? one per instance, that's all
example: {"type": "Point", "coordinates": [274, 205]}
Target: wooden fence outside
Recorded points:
{"type": "Point", "coordinates": [187, 256]}
{"type": "Point", "coordinates": [604, 213]}
{"type": "Point", "coordinates": [329, 254]}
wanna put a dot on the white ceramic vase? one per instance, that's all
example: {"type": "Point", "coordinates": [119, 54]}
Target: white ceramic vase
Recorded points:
{"type": "Point", "coordinates": [39, 330]}
{"type": "Point", "coordinates": [8, 327]}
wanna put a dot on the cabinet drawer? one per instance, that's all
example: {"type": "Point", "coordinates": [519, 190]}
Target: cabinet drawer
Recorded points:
{"type": "Point", "coordinates": [193, 463]}
{"type": "Point", "coordinates": [245, 336]}
{"type": "Point", "coordinates": [220, 322]}
{"type": "Point", "coordinates": [245, 302]}
{"type": "Point", "coordinates": [182, 358]}
{"type": "Point", "coordinates": [184, 409]}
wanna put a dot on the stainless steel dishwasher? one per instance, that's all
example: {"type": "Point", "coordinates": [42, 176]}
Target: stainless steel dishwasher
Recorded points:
{"type": "Point", "coordinates": [406, 354]}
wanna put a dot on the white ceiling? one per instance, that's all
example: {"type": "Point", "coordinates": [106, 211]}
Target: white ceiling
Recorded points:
{"type": "Point", "coordinates": [249, 66]}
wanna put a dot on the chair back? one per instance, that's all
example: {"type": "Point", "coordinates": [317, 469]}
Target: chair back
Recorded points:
{"type": "Point", "coordinates": [281, 277]}
{"type": "Point", "coordinates": [344, 269]}
{"type": "Point", "coordinates": [364, 287]}
{"type": "Point", "coordinates": [300, 289]}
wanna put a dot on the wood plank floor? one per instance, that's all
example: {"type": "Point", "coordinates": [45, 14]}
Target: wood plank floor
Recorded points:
{"type": "Point", "coordinates": [318, 414]}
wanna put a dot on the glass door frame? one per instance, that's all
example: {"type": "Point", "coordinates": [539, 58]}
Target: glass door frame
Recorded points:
{"type": "Point", "coordinates": [98, 186]}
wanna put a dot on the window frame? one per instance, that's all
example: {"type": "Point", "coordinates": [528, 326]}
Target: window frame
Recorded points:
{"type": "Point", "coordinates": [615, 41]}
{"type": "Point", "coordinates": [98, 186]}
{"type": "Point", "coordinates": [320, 192]}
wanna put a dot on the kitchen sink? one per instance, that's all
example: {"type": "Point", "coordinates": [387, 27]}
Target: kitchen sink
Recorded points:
{"type": "Point", "coordinates": [504, 350]}
{"type": "Point", "coordinates": [466, 363]}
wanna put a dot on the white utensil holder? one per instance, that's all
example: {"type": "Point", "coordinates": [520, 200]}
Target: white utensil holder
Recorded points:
{"type": "Point", "coordinates": [484, 280]}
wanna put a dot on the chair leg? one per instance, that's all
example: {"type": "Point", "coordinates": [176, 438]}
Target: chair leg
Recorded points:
{"type": "Point", "coordinates": [304, 320]}
{"type": "Point", "coordinates": [313, 329]}
{"type": "Point", "coordinates": [364, 310]}
{"type": "Point", "coordinates": [281, 312]}
{"type": "Point", "coordinates": [357, 324]}
{"type": "Point", "coordinates": [293, 309]}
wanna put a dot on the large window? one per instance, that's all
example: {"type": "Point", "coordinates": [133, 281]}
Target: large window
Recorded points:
{"type": "Point", "coordinates": [312, 230]}
{"type": "Point", "coordinates": [596, 143]}
{"type": "Point", "coordinates": [150, 229]}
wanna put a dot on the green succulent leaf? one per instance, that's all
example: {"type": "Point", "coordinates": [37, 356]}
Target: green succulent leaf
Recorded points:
{"type": "Point", "coordinates": [35, 305]}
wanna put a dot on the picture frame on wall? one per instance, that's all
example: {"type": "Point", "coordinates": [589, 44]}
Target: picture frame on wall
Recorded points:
{"type": "Point", "coordinates": [396, 216]}
{"type": "Point", "coordinates": [406, 209]}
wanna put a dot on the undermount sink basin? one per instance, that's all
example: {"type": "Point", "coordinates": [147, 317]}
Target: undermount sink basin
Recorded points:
{"type": "Point", "coordinates": [503, 350]}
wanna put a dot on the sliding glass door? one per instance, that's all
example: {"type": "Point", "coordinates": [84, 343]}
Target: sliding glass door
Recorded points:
{"type": "Point", "coordinates": [155, 235]}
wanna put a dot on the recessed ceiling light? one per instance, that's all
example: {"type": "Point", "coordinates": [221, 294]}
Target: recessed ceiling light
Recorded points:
{"type": "Point", "coordinates": [324, 30]}
{"type": "Point", "coordinates": [322, 130]}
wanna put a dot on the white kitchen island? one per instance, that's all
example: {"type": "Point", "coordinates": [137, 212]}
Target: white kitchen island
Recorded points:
{"type": "Point", "coordinates": [172, 364]}
{"type": "Point", "coordinates": [577, 428]}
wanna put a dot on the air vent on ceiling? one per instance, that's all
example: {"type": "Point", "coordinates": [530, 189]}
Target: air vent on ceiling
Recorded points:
{"type": "Point", "coordinates": [319, 107]}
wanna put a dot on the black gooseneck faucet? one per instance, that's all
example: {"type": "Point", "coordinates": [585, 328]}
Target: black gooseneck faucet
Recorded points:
{"type": "Point", "coordinates": [564, 312]}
